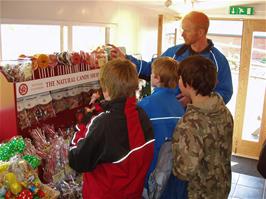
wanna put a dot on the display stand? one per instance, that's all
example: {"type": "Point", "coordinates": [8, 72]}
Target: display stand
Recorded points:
{"type": "Point", "coordinates": [8, 121]}
{"type": "Point", "coordinates": [12, 92]}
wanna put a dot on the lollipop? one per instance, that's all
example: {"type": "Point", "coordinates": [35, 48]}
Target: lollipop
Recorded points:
{"type": "Point", "coordinates": [63, 60]}
{"type": "Point", "coordinates": [87, 60]}
{"type": "Point", "coordinates": [52, 60]}
{"type": "Point", "coordinates": [52, 63]}
{"type": "Point", "coordinates": [75, 59]}
{"type": "Point", "coordinates": [82, 60]}
{"type": "Point", "coordinates": [43, 61]}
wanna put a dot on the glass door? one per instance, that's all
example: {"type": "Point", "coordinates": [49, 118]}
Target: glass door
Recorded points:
{"type": "Point", "coordinates": [250, 113]}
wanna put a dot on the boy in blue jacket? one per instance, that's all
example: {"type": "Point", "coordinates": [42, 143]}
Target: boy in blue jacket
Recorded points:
{"type": "Point", "coordinates": [162, 107]}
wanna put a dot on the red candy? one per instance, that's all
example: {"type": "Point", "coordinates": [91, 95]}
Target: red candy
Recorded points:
{"type": "Point", "coordinates": [25, 194]}
{"type": "Point", "coordinates": [41, 194]}
{"type": "Point", "coordinates": [8, 195]}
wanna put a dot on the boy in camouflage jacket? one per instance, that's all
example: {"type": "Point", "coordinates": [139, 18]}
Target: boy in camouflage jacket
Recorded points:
{"type": "Point", "coordinates": [202, 141]}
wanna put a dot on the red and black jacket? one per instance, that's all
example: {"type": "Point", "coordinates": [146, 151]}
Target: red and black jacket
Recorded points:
{"type": "Point", "coordinates": [114, 151]}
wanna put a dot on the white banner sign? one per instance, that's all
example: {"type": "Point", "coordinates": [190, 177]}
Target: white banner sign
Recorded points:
{"type": "Point", "coordinates": [52, 83]}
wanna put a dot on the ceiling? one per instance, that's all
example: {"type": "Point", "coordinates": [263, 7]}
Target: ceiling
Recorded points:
{"type": "Point", "coordinates": [212, 7]}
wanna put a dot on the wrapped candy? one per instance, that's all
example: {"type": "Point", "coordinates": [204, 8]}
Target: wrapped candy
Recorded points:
{"type": "Point", "coordinates": [2, 191]}
{"type": "Point", "coordinates": [74, 97]}
{"type": "Point", "coordinates": [32, 160]}
{"type": "Point", "coordinates": [11, 148]}
{"type": "Point", "coordinates": [34, 112]}
{"type": "Point", "coordinates": [31, 150]}
{"type": "Point", "coordinates": [4, 166]}
{"type": "Point", "coordinates": [44, 101]}
{"type": "Point", "coordinates": [39, 139]}
{"type": "Point", "coordinates": [25, 194]}
{"type": "Point", "coordinates": [49, 132]}
{"type": "Point", "coordinates": [17, 71]}
{"type": "Point", "coordinates": [10, 178]}
{"type": "Point", "coordinates": [22, 116]}
{"type": "Point", "coordinates": [15, 188]}
{"type": "Point", "coordinates": [59, 100]}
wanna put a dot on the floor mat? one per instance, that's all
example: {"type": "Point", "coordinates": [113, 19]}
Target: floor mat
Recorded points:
{"type": "Point", "coordinates": [244, 166]}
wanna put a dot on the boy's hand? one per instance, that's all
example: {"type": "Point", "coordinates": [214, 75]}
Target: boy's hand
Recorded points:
{"type": "Point", "coordinates": [89, 110]}
{"type": "Point", "coordinates": [184, 100]}
{"type": "Point", "coordinates": [94, 97]}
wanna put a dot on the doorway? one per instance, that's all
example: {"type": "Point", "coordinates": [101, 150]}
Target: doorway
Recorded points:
{"type": "Point", "coordinates": [250, 110]}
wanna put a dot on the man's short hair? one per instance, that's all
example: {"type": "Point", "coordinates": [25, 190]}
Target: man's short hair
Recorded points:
{"type": "Point", "coordinates": [199, 73]}
{"type": "Point", "coordinates": [119, 77]}
{"type": "Point", "coordinates": [198, 19]}
{"type": "Point", "coordinates": [167, 69]}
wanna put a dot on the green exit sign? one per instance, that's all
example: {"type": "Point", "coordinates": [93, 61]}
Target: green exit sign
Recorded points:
{"type": "Point", "coordinates": [239, 10]}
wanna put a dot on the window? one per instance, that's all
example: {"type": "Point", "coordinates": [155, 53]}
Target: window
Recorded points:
{"type": "Point", "coordinates": [17, 39]}
{"type": "Point", "coordinates": [87, 38]}
{"type": "Point", "coordinates": [226, 36]}
{"type": "Point", "coordinates": [29, 40]}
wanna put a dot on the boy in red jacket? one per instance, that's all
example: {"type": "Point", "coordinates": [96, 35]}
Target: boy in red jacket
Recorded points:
{"type": "Point", "coordinates": [116, 148]}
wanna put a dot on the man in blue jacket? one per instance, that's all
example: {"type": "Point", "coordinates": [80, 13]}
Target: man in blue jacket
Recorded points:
{"type": "Point", "coordinates": [195, 28]}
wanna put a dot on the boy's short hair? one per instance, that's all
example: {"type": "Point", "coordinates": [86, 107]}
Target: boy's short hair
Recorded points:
{"type": "Point", "coordinates": [199, 73]}
{"type": "Point", "coordinates": [167, 69]}
{"type": "Point", "coordinates": [119, 77]}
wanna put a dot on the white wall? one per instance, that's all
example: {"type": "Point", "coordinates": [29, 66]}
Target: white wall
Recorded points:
{"type": "Point", "coordinates": [136, 27]}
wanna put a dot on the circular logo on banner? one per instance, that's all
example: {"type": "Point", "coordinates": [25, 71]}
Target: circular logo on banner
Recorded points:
{"type": "Point", "coordinates": [23, 89]}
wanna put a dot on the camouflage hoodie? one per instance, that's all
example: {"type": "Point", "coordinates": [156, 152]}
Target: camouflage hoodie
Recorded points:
{"type": "Point", "coordinates": [202, 147]}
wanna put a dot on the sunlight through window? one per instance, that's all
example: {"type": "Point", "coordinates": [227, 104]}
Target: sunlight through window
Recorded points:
{"type": "Point", "coordinates": [29, 40]}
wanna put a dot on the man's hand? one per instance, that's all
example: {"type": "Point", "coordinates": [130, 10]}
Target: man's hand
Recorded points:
{"type": "Point", "coordinates": [184, 100]}
{"type": "Point", "coordinates": [116, 52]}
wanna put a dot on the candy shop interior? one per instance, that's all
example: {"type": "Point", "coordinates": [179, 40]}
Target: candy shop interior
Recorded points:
{"type": "Point", "coordinates": [49, 73]}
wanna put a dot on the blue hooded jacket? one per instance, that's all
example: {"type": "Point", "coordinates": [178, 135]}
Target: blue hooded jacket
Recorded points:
{"type": "Point", "coordinates": [164, 111]}
{"type": "Point", "coordinates": [179, 52]}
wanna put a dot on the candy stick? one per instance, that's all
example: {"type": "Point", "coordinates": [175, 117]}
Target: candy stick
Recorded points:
{"type": "Point", "coordinates": [39, 72]}
{"type": "Point", "coordinates": [70, 68]}
{"type": "Point", "coordinates": [44, 72]}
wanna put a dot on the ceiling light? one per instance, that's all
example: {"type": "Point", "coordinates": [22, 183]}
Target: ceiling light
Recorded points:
{"type": "Point", "coordinates": [168, 3]}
